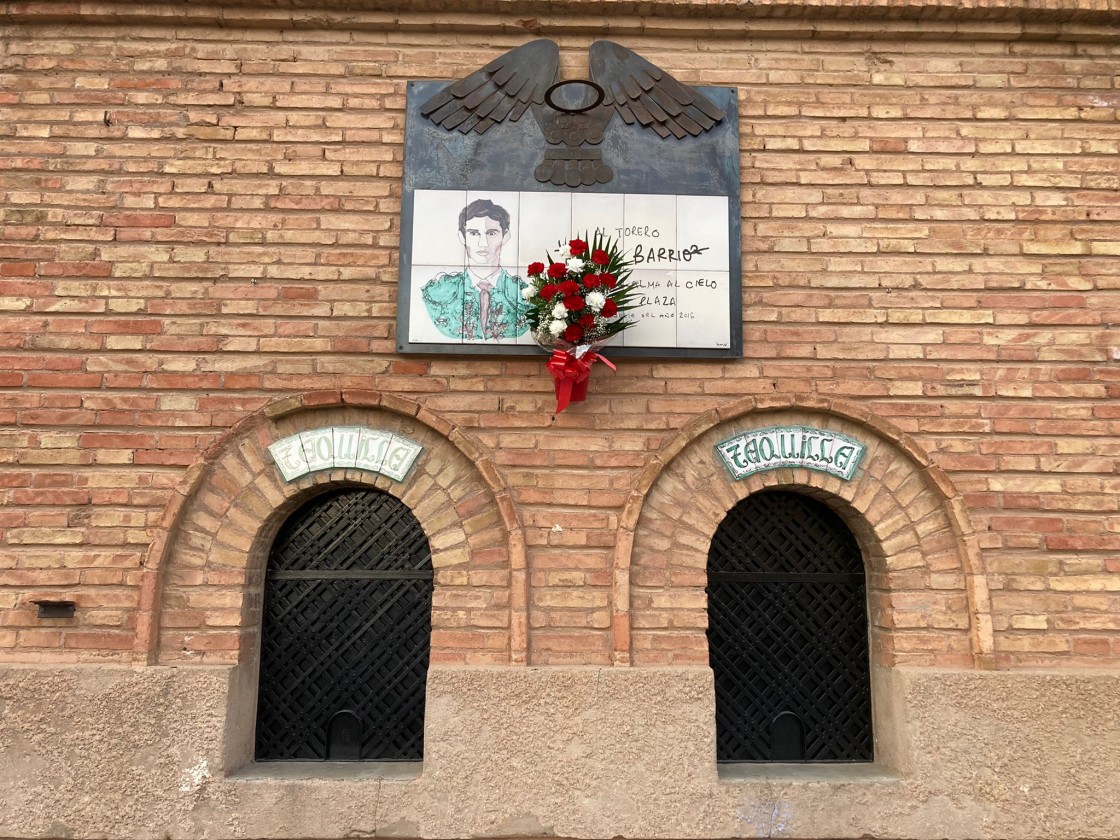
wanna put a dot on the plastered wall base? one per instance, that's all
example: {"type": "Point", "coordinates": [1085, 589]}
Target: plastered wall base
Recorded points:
{"type": "Point", "coordinates": [153, 752]}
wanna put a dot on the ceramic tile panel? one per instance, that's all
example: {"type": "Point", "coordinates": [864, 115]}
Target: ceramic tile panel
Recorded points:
{"type": "Point", "coordinates": [421, 325]}
{"type": "Point", "coordinates": [597, 211]}
{"type": "Point", "coordinates": [526, 338]}
{"type": "Point", "coordinates": [546, 218]}
{"type": "Point", "coordinates": [702, 232]}
{"type": "Point", "coordinates": [435, 227]}
{"type": "Point", "coordinates": [649, 223]}
{"type": "Point", "coordinates": [656, 314]}
{"type": "Point", "coordinates": [703, 314]}
{"type": "Point", "coordinates": [508, 256]}
{"type": "Point", "coordinates": [446, 307]}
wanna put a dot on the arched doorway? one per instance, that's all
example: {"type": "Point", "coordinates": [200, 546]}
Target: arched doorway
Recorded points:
{"type": "Point", "coordinates": [787, 633]}
{"type": "Point", "coordinates": [346, 632]}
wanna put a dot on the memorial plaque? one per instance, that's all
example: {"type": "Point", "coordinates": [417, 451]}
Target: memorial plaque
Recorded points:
{"type": "Point", "coordinates": [496, 180]}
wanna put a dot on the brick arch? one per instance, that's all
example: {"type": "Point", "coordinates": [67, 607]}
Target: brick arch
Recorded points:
{"type": "Point", "coordinates": [928, 596]}
{"type": "Point", "coordinates": [204, 573]}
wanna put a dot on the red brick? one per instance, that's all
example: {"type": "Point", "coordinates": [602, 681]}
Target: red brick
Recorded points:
{"type": "Point", "coordinates": [144, 220]}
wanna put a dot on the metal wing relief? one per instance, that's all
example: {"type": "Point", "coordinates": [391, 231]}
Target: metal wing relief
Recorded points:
{"type": "Point", "coordinates": [621, 82]}
{"type": "Point", "coordinates": [643, 93]}
{"type": "Point", "coordinates": [501, 90]}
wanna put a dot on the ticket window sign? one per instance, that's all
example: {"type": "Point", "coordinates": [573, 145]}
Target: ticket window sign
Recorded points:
{"type": "Point", "coordinates": [791, 446]}
{"type": "Point", "coordinates": [350, 447]}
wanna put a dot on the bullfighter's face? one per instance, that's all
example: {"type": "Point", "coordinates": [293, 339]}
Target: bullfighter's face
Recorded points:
{"type": "Point", "coordinates": [483, 239]}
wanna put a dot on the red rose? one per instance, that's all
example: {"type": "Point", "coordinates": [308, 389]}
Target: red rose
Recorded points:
{"type": "Point", "coordinates": [557, 270]}
{"type": "Point", "coordinates": [573, 333]}
{"type": "Point", "coordinates": [587, 321]}
{"type": "Point", "coordinates": [608, 279]}
{"type": "Point", "coordinates": [591, 281]}
{"type": "Point", "coordinates": [535, 268]}
{"type": "Point", "coordinates": [549, 291]}
{"type": "Point", "coordinates": [577, 247]}
{"type": "Point", "coordinates": [600, 257]}
{"type": "Point", "coordinates": [610, 308]}
{"type": "Point", "coordinates": [573, 303]}
{"type": "Point", "coordinates": [569, 288]}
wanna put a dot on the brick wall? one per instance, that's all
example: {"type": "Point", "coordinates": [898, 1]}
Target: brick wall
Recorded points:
{"type": "Point", "coordinates": [199, 220]}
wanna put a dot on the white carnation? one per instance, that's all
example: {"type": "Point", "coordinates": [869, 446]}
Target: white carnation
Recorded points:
{"type": "Point", "coordinates": [575, 264]}
{"type": "Point", "coordinates": [557, 327]}
{"type": "Point", "coordinates": [528, 292]}
{"type": "Point", "coordinates": [560, 311]}
{"type": "Point", "coordinates": [595, 301]}
{"type": "Point", "coordinates": [564, 252]}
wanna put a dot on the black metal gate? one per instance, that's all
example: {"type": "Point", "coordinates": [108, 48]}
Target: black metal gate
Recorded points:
{"type": "Point", "coordinates": [346, 632]}
{"type": "Point", "coordinates": [787, 634]}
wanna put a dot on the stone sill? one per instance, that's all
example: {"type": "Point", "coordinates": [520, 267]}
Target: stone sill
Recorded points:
{"type": "Point", "coordinates": [807, 773]}
{"type": "Point", "coordinates": [357, 771]}
{"type": "Point", "coordinates": [407, 771]}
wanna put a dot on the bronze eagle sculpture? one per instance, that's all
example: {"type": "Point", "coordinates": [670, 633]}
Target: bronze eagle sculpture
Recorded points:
{"type": "Point", "coordinates": [526, 78]}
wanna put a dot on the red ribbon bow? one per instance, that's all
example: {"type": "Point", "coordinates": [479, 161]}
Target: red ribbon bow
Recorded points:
{"type": "Point", "coordinates": [570, 374]}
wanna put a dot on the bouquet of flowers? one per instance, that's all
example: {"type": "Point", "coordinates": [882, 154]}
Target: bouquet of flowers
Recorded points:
{"type": "Point", "coordinates": [576, 304]}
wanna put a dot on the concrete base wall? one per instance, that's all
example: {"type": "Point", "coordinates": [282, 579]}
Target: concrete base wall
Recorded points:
{"type": "Point", "coordinates": [574, 752]}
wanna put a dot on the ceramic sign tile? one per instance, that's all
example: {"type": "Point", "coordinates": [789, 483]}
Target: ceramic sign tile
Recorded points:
{"type": "Point", "coordinates": [288, 455]}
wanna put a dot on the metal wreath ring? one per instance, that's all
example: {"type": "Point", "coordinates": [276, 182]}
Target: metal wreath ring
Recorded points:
{"type": "Point", "coordinates": [600, 93]}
